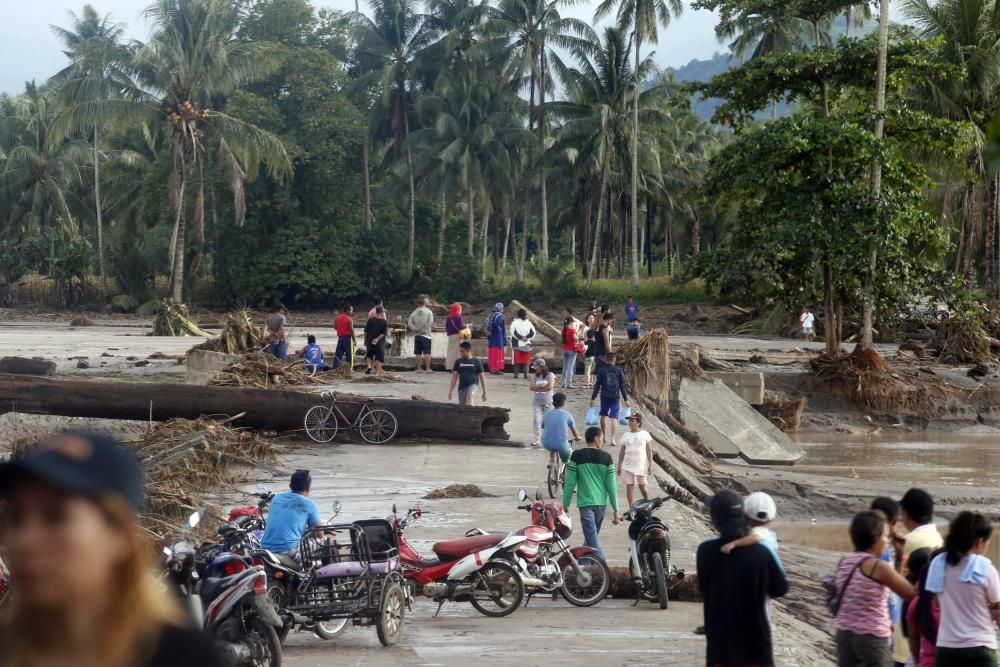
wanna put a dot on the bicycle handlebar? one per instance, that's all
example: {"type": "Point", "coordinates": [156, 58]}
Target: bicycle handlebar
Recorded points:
{"type": "Point", "coordinates": [524, 507]}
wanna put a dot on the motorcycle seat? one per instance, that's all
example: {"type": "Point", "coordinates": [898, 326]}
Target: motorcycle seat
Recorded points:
{"type": "Point", "coordinates": [455, 549]}
{"type": "Point", "coordinates": [213, 586]}
{"type": "Point", "coordinates": [354, 568]}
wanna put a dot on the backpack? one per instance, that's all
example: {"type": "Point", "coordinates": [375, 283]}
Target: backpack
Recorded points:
{"type": "Point", "coordinates": [611, 388]}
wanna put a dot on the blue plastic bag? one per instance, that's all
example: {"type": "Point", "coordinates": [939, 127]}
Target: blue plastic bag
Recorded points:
{"type": "Point", "coordinates": [593, 418]}
{"type": "Point", "coordinates": [623, 416]}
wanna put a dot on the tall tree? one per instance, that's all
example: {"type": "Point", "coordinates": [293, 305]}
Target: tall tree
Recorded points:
{"type": "Point", "coordinates": [644, 16]}
{"type": "Point", "coordinates": [388, 44]}
{"type": "Point", "coordinates": [93, 44]}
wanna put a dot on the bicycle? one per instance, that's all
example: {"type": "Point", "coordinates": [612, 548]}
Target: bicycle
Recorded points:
{"type": "Point", "coordinates": [376, 426]}
{"type": "Point", "coordinates": [556, 472]}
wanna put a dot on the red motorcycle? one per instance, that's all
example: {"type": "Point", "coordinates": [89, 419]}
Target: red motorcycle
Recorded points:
{"type": "Point", "coordinates": [547, 563]}
{"type": "Point", "coordinates": [476, 569]}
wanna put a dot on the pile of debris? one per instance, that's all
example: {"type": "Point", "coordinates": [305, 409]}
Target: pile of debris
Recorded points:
{"type": "Point", "coordinates": [239, 335]}
{"type": "Point", "coordinates": [863, 377]}
{"type": "Point", "coordinates": [184, 462]}
{"type": "Point", "coordinates": [260, 370]}
{"type": "Point", "coordinates": [646, 363]}
{"type": "Point", "coordinates": [175, 320]}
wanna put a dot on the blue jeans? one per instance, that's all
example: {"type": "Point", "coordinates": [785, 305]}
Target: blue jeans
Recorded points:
{"type": "Point", "coordinates": [279, 350]}
{"type": "Point", "coordinates": [590, 522]}
{"type": "Point", "coordinates": [569, 365]}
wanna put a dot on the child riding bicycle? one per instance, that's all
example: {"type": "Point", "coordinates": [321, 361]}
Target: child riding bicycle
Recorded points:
{"type": "Point", "coordinates": [557, 425]}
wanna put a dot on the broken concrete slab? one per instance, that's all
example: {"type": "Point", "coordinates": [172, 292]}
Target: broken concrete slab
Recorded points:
{"type": "Point", "coordinates": [729, 427]}
{"type": "Point", "coordinates": [748, 385]}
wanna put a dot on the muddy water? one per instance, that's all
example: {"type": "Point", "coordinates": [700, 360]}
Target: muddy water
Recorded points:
{"type": "Point", "coordinates": [912, 458]}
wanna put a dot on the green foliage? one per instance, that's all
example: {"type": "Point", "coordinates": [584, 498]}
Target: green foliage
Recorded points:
{"type": "Point", "coordinates": [556, 280]}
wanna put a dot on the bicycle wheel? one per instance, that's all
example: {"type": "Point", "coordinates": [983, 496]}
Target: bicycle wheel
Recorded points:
{"type": "Point", "coordinates": [377, 426]}
{"type": "Point", "coordinates": [553, 479]}
{"type": "Point", "coordinates": [321, 423]}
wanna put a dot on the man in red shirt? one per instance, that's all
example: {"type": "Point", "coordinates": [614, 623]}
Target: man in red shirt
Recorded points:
{"type": "Point", "coordinates": [344, 324]}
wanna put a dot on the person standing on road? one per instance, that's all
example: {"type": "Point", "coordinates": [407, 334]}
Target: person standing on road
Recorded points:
{"type": "Point", "coordinates": [467, 372]}
{"type": "Point", "coordinates": [344, 325]}
{"type": "Point", "coordinates": [86, 595]}
{"type": "Point", "coordinates": [543, 383]}
{"type": "Point", "coordinates": [454, 327]}
{"type": "Point", "coordinates": [604, 339]}
{"type": "Point", "coordinates": [735, 588]}
{"type": "Point", "coordinates": [863, 583]}
{"type": "Point", "coordinates": [610, 386]}
{"type": "Point", "coordinates": [496, 329]}
{"type": "Point", "coordinates": [635, 460]}
{"type": "Point", "coordinates": [521, 334]}
{"type": "Point", "coordinates": [569, 352]}
{"type": "Point", "coordinates": [376, 333]}
{"type": "Point", "coordinates": [968, 590]}
{"type": "Point", "coordinates": [274, 325]}
{"type": "Point", "coordinates": [807, 320]}
{"type": "Point", "coordinates": [421, 325]}
{"type": "Point", "coordinates": [631, 310]}
{"type": "Point", "coordinates": [591, 473]}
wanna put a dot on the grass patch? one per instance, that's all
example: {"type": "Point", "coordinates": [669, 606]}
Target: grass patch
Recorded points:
{"type": "Point", "coordinates": [652, 291]}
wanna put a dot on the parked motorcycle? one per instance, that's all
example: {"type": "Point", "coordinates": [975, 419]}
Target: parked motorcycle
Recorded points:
{"type": "Point", "coordinates": [473, 569]}
{"type": "Point", "coordinates": [547, 563]}
{"type": "Point", "coordinates": [253, 517]}
{"type": "Point", "coordinates": [235, 608]}
{"type": "Point", "coordinates": [649, 552]}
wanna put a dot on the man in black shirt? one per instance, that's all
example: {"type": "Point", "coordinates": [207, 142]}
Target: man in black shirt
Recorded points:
{"type": "Point", "coordinates": [376, 331]}
{"type": "Point", "coordinates": [468, 374]}
{"type": "Point", "coordinates": [735, 587]}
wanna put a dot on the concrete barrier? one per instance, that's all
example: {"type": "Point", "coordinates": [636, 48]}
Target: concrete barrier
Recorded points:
{"type": "Point", "coordinates": [729, 427]}
{"type": "Point", "coordinates": [202, 365]}
{"type": "Point", "coordinates": [747, 385]}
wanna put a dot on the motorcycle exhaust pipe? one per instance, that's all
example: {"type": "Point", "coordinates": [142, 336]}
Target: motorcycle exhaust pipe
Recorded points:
{"type": "Point", "coordinates": [532, 582]}
{"type": "Point", "coordinates": [234, 654]}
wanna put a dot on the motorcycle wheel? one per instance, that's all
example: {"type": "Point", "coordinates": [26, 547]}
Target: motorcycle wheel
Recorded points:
{"type": "Point", "coordinates": [661, 579]}
{"type": "Point", "coordinates": [586, 596]}
{"type": "Point", "coordinates": [331, 629]}
{"type": "Point", "coordinates": [265, 649]}
{"type": "Point", "coordinates": [647, 595]}
{"type": "Point", "coordinates": [276, 594]}
{"type": "Point", "coordinates": [502, 584]}
{"type": "Point", "coordinates": [389, 624]}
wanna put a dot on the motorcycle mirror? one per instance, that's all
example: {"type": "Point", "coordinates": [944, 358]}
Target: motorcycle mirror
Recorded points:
{"type": "Point", "coordinates": [194, 519]}
{"type": "Point", "coordinates": [394, 509]}
{"type": "Point", "coordinates": [522, 495]}
{"type": "Point", "coordinates": [336, 506]}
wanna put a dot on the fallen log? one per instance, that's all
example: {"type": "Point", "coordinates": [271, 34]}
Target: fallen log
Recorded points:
{"type": "Point", "coordinates": [684, 589]}
{"type": "Point", "coordinates": [543, 327]}
{"type": "Point", "coordinates": [269, 409]}
{"type": "Point", "coordinates": [22, 366]}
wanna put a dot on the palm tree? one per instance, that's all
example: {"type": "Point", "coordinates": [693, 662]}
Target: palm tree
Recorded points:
{"type": "Point", "coordinates": [92, 45]}
{"type": "Point", "coordinates": [856, 15]}
{"type": "Point", "coordinates": [388, 45]}
{"type": "Point", "coordinates": [193, 60]}
{"type": "Point", "coordinates": [644, 16]}
{"type": "Point", "coordinates": [595, 129]}
{"type": "Point", "coordinates": [527, 34]}
{"type": "Point", "coordinates": [970, 30]}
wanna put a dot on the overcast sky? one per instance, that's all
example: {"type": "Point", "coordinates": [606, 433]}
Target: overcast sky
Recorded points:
{"type": "Point", "coordinates": [29, 50]}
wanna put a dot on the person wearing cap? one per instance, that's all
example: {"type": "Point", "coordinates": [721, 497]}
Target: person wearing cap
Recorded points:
{"type": "Point", "coordinates": [83, 592]}
{"type": "Point", "coordinates": [543, 384]}
{"type": "Point", "coordinates": [635, 458]}
{"type": "Point", "coordinates": [735, 588]}
{"type": "Point", "coordinates": [760, 510]}
{"type": "Point", "coordinates": [291, 516]}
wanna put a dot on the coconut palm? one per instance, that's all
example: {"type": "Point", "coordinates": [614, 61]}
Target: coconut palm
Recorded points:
{"type": "Point", "coordinates": [192, 62]}
{"type": "Point", "coordinates": [528, 34]}
{"type": "Point", "coordinates": [596, 128]}
{"type": "Point", "coordinates": [388, 45]}
{"type": "Point", "coordinates": [93, 44]}
{"type": "Point", "coordinates": [970, 30]}
{"type": "Point", "coordinates": [644, 17]}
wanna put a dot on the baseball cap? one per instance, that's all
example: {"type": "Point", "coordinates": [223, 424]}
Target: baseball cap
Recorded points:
{"type": "Point", "coordinates": [760, 506]}
{"type": "Point", "coordinates": [88, 464]}
{"type": "Point", "coordinates": [726, 507]}
{"type": "Point", "coordinates": [636, 416]}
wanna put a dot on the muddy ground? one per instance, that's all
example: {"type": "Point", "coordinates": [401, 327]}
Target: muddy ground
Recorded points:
{"type": "Point", "coordinates": [369, 480]}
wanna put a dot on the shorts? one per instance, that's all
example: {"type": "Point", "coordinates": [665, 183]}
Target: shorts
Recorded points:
{"type": "Point", "coordinates": [565, 451]}
{"type": "Point", "coordinates": [610, 408]}
{"type": "Point", "coordinates": [376, 352]}
{"type": "Point", "coordinates": [468, 392]}
{"type": "Point", "coordinates": [631, 478]}
{"type": "Point", "coordinates": [808, 331]}
{"type": "Point", "coordinates": [421, 346]}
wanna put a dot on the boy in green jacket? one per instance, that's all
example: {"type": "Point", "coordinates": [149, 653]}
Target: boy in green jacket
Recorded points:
{"type": "Point", "coordinates": [591, 471]}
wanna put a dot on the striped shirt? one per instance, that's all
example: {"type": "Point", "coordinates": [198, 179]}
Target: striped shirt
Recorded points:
{"type": "Point", "coordinates": [864, 606]}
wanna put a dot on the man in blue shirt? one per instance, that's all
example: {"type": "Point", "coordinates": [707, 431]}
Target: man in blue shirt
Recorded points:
{"type": "Point", "coordinates": [557, 424]}
{"type": "Point", "coordinates": [631, 310]}
{"type": "Point", "coordinates": [610, 386]}
{"type": "Point", "coordinates": [291, 515]}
